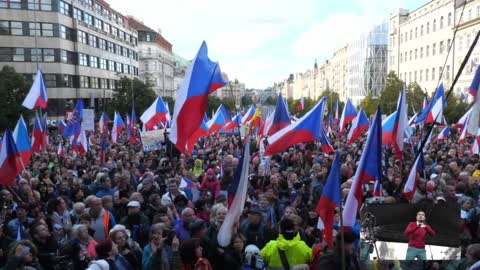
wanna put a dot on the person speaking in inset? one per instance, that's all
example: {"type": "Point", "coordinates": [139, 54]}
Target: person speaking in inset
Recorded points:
{"type": "Point", "coordinates": [417, 231]}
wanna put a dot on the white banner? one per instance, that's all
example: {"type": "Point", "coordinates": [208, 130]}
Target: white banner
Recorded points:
{"type": "Point", "coordinates": [88, 121]}
{"type": "Point", "coordinates": [152, 140]}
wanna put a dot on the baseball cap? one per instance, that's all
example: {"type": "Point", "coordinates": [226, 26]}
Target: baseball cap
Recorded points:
{"type": "Point", "coordinates": [133, 204]}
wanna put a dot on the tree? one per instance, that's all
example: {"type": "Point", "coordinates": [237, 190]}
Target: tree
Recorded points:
{"type": "Point", "coordinates": [246, 101]}
{"type": "Point", "coordinates": [455, 109]}
{"type": "Point", "coordinates": [270, 101]}
{"type": "Point", "coordinates": [389, 96]}
{"type": "Point", "coordinates": [212, 105]}
{"type": "Point", "coordinates": [13, 90]}
{"type": "Point", "coordinates": [369, 104]}
{"type": "Point", "coordinates": [415, 96]}
{"type": "Point", "coordinates": [171, 103]}
{"type": "Point", "coordinates": [229, 103]}
{"type": "Point", "coordinates": [122, 97]}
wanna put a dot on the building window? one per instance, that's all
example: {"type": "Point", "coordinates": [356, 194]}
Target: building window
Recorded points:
{"type": "Point", "coordinates": [92, 40]}
{"type": "Point", "coordinates": [401, 38]}
{"type": "Point", "coordinates": [433, 74]}
{"type": "Point", "coordinates": [5, 54]}
{"type": "Point", "coordinates": [409, 76]}
{"type": "Point", "coordinates": [98, 23]}
{"type": "Point", "coordinates": [10, 3]}
{"type": "Point", "coordinates": [82, 37]}
{"type": "Point", "coordinates": [111, 47]}
{"type": "Point", "coordinates": [434, 25]}
{"type": "Point", "coordinates": [411, 34]}
{"type": "Point", "coordinates": [106, 27]}
{"type": "Point", "coordinates": [47, 30]}
{"type": "Point", "coordinates": [63, 56]}
{"type": "Point", "coordinates": [82, 59]}
{"type": "Point", "coordinates": [426, 74]}
{"type": "Point", "coordinates": [415, 76]}
{"type": "Point", "coordinates": [448, 43]}
{"type": "Point", "coordinates": [401, 57]}
{"type": "Point", "coordinates": [4, 28]}
{"type": "Point", "coordinates": [34, 29]}
{"type": "Point", "coordinates": [415, 54]}
{"type": "Point", "coordinates": [93, 82]}
{"type": "Point", "coordinates": [45, 5]}
{"type": "Point", "coordinates": [449, 19]}
{"type": "Point", "coordinates": [460, 42]}
{"type": "Point", "coordinates": [77, 14]}
{"type": "Point", "coordinates": [410, 58]}
{"type": "Point", "coordinates": [421, 76]}
{"type": "Point", "coordinates": [16, 28]}
{"type": "Point", "coordinates": [93, 61]}
{"type": "Point", "coordinates": [111, 65]}
{"type": "Point", "coordinates": [441, 22]}
{"type": "Point", "coordinates": [36, 55]}
{"type": "Point", "coordinates": [428, 27]}
{"type": "Point", "coordinates": [65, 8]}
{"type": "Point", "coordinates": [103, 83]}
{"type": "Point", "coordinates": [48, 55]}
{"type": "Point", "coordinates": [19, 55]}
{"type": "Point", "coordinates": [67, 81]}
{"type": "Point", "coordinates": [426, 50]}
{"type": "Point", "coordinates": [421, 30]}
{"type": "Point", "coordinates": [421, 52]}
{"type": "Point", "coordinates": [118, 49]}
{"type": "Point", "coordinates": [102, 44]}
{"type": "Point", "coordinates": [118, 67]}
{"type": "Point", "coordinates": [87, 18]}
{"type": "Point", "coordinates": [478, 11]}
{"type": "Point", "coordinates": [114, 31]}
{"type": "Point", "coordinates": [112, 84]}
{"type": "Point", "coordinates": [440, 73]}
{"type": "Point", "coordinates": [103, 63]}
{"type": "Point", "coordinates": [441, 48]}
{"type": "Point", "coordinates": [447, 73]}
{"type": "Point", "coordinates": [434, 48]}
{"type": "Point", "coordinates": [468, 41]}
{"type": "Point", "coordinates": [50, 80]}
{"type": "Point", "coordinates": [148, 37]}
{"type": "Point", "coordinates": [469, 14]}
{"type": "Point", "coordinates": [84, 82]}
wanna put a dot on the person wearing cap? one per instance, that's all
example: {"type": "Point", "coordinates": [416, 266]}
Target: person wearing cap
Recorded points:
{"type": "Point", "coordinates": [288, 250]}
{"type": "Point", "coordinates": [255, 230]}
{"type": "Point", "coordinates": [148, 186]}
{"type": "Point", "coordinates": [333, 260]}
{"type": "Point", "coordinates": [137, 223]}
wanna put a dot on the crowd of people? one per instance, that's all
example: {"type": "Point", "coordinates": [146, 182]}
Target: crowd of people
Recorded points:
{"type": "Point", "coordinates": [72, 212]}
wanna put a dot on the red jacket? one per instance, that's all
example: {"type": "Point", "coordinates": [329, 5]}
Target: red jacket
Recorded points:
{"type": "Point", "coordinates": [417, 234]}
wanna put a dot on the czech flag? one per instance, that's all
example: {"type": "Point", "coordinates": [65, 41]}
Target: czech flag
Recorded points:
{"type": "Point", "coordinates": [463, 120]}
{"type": "Point", "coordinates": [236, 120]}
{"type": "Point", "coordinates": [22, 141]}
{"type": "Point", "coordinates": [38, 140]}
{"type": "Point", "coordinates": [61, 125]}
{"type": "Point", "coordinates": [82, 143]}
{"type": "Point", "coordinates": [281, 117]}
{"type": "Point", "coordinates": [445, 133]}
{"type": "Point", "coordinates": [248, 115]}
{"type": "Point", "coordinates": [306, 129]}
{"type": "Point", "coordinates": [377, 189]}
{"type": "Point", "coordinates": [60, 150]}
{"type": "Point", "coordinates": [359, 125]}
{"type": "Point", "coordinates": [8, 159]}
{"type": "Point", "coordinates": [348, 114]}
{"type": "Point", "coordinates": [433, 111]}
{"type": "Point", "coordinates": [131, 129]}
{"type": "Point", "coordinates": [156, 113]}
{"type": "Point", "coordinates": [473, 90]}
{"type": "Point", "coordinates": [103, 148]}
{"type": "Point", "coordinates": [37, 96]}
{"type": "Point", "coordinates": [300, 105]}
{"type": "Point", "coordinates": [202, 78]}
{"type": "Point", "coordinates": [237, 191]}
{"type": "Point", "coordinates": [185, 183]}
{"type": "Point", "coordinates": [425, 103]}
{"type": "Point", "coordinates": [103, 123]}
{"type": "Point", "coordinates": [200, 132]}
{"type": "Point", "coordinates": [74, 120]}
{"type": "Point", "coordinates": [268, 123]}
{"type": "Point", "coordinates": [400, 124]}
{"type": "Point", "coordinates": [387, 128]}
{"type": "Point", "coordinates": [331, 198]}
{"type": "Point", "coordinates": [218, 121]}
{"type": "Point", "coordinates": [335, 109]}
{"type": "Point", "coordinates": [118, 125]}
{"type": "Point", "coordinates": [415, 172]}
{"type": "Point", "coordinates": [369, 168]}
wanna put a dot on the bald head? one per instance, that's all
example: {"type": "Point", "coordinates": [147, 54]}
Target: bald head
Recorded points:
{"type": "Point", "coordinates": [188, 215]}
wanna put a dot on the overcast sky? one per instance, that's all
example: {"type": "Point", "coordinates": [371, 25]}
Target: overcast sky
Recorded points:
{"type": "Point", "coordinates": [261, 41]}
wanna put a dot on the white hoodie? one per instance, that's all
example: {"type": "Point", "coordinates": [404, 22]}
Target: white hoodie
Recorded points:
{"type": "Point", "coordinates": [99, 265]}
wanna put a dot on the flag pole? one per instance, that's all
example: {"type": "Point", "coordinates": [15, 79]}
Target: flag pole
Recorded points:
{"type": "Point", "coordinates": [342, 237]}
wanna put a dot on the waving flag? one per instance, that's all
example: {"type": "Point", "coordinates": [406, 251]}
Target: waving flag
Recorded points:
{"type": "Point", "coordinates": [238, 189]}
{"type": "Point", "coordinates": [74, 120]}
{"type": "Point", "coordinates": [445, 133]}
{"type": "Point", "coordinates": [335, 109]}
{"type": "Point", "coordinates": [331, 198]}
{"type": "Point", "coordinates": [60, 150]}
{"type": "Point", "coordinates": [37, 96]}
{"type": "Point", "coordinates": [22, 141]}
{"type": "Point", "coordinates": [306, 129]}
{"type": "Point", "coordinates": [400, 124]}
{"type": "Point", "coordinates": [348, 114]}
{"type": "Point", "coordinates": [236, 120]}
{"type": "Point", "coordinates": [118, 125]}
{"type": "Point", "coordinates": [387, 128]}
{"type": "Point", "coordinates": [131, 129]}
{"type": "Point", "coordinates": [434, 108]}
{"type": "Point", "coordinates": [103, 123]}
{"type": "Point", "coordinates": [200, 132]}
{"type": "Point", "coordinates": [359, 125]}
{"type": "Point", "coordinates": [300, 105]}
{"type": "Point", "coordinates": [156, 113]}
{"type": "Point", "coordinates": [38, 140]}
{"type": "Point", "coordinates": [369, 168]}
{"type": "Point", "coordinates": [185, 183]}
{"type": "Point", "coordinates": [415, 171]}
{"type": "Point", "coordinates": [281, 117]}
{"type": "Point", "coordinates": [268, 123]}
{"type": "Point", "coordinates": [248, 115]}
{"type": "Point", "coordinates": [202, 78]}
{"type": "Point", "coordinates": [61, 126]}
{"type": "Point", "coordinates": [475, 148]}
{"type": "Point", "coordinates": [8, 159]}
{"type": "Point", "coordinates": [377, 189]}
{"type": "Point", "coordinates": [103, 148]}
{"type": "Point", "coordinates": [218, 121]}
{"type": "Point", "coordinates": [473, 90]}
{"type": "Point", "coordinates": [425, 103]}
{"type": "Point", "coordinates": [82, 143]}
